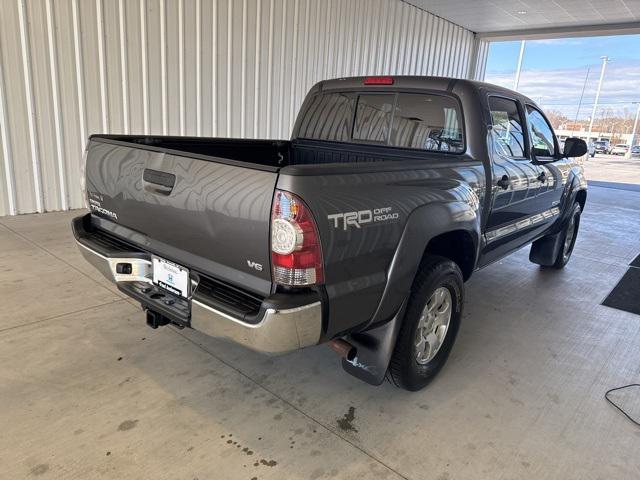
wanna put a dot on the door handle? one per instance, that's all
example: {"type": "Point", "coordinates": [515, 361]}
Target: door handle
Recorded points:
{"type": "Point", "coordinates": [504, 182]}
{"type": "Point", "coordinates": [542, 177]}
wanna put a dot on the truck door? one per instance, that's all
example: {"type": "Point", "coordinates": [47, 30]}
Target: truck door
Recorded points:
{"type": "Point", "coordinates": [515, 181]}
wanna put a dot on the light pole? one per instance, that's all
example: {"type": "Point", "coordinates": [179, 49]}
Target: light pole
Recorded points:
{"type": "Point", "coordinates": [605, 60]}
{"type": "Point", "coordinates": [604, 113]}
{"type": "Point", "coordinates": [519, 67]}
{"type": "Point", "coordinates": [633, 130]}
{"type": "Point", "coordinates": [586, 77]}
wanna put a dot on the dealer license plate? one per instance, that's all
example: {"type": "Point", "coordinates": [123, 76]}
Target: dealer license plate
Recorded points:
{"type": "Point", "coordinates": [171, 276]}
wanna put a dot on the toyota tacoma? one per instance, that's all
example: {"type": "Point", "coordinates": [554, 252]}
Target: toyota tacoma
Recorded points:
{"type": "Point", "coordinates": [358, 232]}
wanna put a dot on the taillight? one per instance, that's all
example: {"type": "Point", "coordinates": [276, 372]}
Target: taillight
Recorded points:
{"type": "Point", "coordinates": [296, 257]}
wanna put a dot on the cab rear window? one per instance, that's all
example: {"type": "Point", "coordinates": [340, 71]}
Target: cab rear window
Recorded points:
{"type": "Point", "coordinates": [328, 117]}
{"type": "Point", "coordinates": [373, 118]}
{"type": "Point", "coordinates": [419, 121]}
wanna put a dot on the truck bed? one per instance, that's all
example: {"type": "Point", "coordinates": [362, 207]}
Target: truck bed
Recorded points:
{"type": "Point", "coordinates": [268, 153]}
{"type": "Point", "coordinates": [273, 154]}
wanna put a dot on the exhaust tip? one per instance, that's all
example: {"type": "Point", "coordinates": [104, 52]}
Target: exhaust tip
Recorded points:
{"type": "Point", "coordinates": [344, 349]}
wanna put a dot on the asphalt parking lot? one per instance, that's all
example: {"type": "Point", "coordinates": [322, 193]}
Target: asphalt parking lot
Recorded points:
{"type": "Point", "coordinates": [613, 168]}
{"type": "Point", "coordinates": [88, 391]}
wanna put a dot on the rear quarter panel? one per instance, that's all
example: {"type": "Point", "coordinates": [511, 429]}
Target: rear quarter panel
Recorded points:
{"type": "Point", "coordinates": [362, 211]}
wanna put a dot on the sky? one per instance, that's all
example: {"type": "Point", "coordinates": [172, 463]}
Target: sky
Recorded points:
{"type": "Point", "coordinates": [554, 71]}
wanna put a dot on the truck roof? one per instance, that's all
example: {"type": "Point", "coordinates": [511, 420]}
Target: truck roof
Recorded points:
{"type": "Point", "coordinates": [415, 82]}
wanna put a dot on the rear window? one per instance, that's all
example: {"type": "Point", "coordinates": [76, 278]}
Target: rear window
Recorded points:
{"type": "Point", "coordinates": [329, 117]}
{"type": "Point", "coordinates": [373, 118]}
{"type": "Point", "coordinates": [407, 120]}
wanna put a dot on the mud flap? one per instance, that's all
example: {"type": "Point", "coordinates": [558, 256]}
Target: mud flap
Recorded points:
{"type": "Point", "coordinates": [374, 350]}
{"type": "Point", "coordinates": [545, 250]}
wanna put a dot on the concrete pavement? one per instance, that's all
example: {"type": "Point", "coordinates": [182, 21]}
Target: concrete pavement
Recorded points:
{"type": "Point", "coordinates": [88, 391]}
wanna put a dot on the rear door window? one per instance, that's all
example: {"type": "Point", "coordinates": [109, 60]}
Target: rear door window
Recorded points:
{"type": "Point", "coordinates": [373, 118]}
{"type": "Point", "coordinates": [507, 133]}
{"type": "Point", "coordinates": [427, 122]}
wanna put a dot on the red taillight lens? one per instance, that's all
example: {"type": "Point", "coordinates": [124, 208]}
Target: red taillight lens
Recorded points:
{"type": "Point", "coordinates": [296, 257]}
{"type": "Point", "coordinates": [378, 81]}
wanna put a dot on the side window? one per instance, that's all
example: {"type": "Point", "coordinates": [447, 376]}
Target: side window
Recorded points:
{"type": "Point", "coordinates": [373, 118]}
{"type": "Point", "coordinates": [507, 133]}
{"type": "Point", "coordinates": [328, 118]}
{"type": "Point", "coordinates": [541, 134]}
{"type": "Point", "coordinates": [428, 122]}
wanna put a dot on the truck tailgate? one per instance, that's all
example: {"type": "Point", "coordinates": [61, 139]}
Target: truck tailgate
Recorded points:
{"type": "Point", "coordinates": [206, 213]}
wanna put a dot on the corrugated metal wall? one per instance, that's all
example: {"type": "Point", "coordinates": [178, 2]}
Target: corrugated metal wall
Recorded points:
{"type": "Point", "coordinates": [238, 68]}
{"type": "Point", "coordinates": [479, 63]}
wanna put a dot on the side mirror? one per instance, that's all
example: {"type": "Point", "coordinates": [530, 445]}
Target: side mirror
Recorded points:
{"type": "Point", "coordinates": [575, 147]}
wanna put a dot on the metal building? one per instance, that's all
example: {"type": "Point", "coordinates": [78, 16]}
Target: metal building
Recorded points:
{"type": "Point", "coordinates": [238, 68]}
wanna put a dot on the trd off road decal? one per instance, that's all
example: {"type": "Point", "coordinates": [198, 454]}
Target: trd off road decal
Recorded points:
{"type": "Point", "coordinates": [362, 217]}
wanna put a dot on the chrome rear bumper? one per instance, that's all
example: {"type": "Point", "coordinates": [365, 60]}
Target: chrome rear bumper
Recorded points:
{"type": "Point", "coordinates": [278, 330]}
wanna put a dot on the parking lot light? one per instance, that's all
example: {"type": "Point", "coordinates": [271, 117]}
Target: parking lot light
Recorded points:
{"type": "Point", "coordinates": [605, 60]}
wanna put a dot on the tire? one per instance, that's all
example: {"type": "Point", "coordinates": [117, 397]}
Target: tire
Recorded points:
{"type": "Point", "coordinates": [438, 281]}
{"type": "Point", "coordinates": [569, 236]}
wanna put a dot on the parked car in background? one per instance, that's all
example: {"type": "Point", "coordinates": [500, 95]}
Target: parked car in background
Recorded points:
{"type": "Point", "coordinates": [601, 146]}
{"type": "Point", "coordinates": [619, 149]}
{"type": "Point", "coordinates": [635, 151]}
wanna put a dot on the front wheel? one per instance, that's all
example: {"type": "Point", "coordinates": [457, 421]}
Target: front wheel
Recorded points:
{"type": "Point", "coordinates": [569, 236]}
{"type": "Point", "coordinates": [430, 324]}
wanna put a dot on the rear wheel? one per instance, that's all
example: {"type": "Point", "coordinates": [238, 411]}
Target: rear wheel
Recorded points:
{"type": "Point", "coordinates": [430, 324]}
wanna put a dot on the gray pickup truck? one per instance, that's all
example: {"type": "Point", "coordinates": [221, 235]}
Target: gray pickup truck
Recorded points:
{"type": "Point", "coordinates": [359, 232]}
